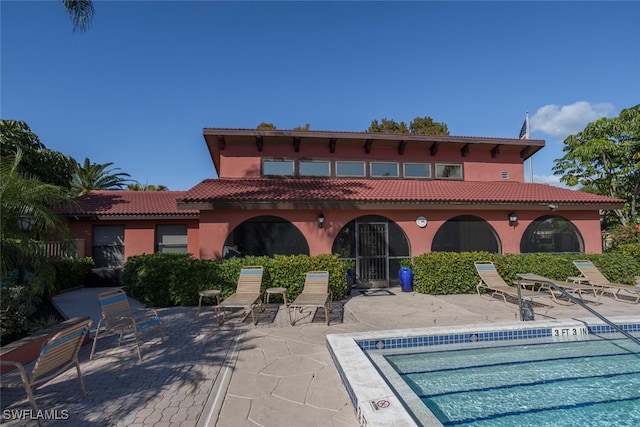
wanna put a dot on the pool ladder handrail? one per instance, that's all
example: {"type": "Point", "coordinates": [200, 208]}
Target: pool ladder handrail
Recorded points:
{"type": "Point", "coordinates": [577, 301]}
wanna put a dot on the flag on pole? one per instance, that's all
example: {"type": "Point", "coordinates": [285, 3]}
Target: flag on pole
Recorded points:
{"type": "Point", "coordinates": [524, 130]}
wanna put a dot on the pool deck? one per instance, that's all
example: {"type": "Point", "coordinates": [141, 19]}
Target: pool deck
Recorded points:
{"type": "Point", "coordinates": [238, 374]}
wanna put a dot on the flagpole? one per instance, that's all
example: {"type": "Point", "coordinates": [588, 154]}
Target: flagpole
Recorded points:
{"type": "Point", "coordinates": [530, 158]}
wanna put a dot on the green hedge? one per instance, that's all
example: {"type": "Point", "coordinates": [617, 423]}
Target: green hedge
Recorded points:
{"type": "Point", "coordinates": [71, 272]}
{"type": "Point", "coordinates": [164, 280]}
{"type": "Point", "coordinates": [442, 273]}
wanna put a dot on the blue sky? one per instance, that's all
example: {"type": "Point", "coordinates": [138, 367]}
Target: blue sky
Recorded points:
{"type": "Point", "coordinates": [138, 88]}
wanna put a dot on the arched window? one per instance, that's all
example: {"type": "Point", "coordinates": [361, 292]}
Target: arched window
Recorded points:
{"type": "Point", "coordinates": [551, 233]}
{"type": "Point", "coordinates": [265, 235]}
{"type": "Point", "coordinates": [466, 233]}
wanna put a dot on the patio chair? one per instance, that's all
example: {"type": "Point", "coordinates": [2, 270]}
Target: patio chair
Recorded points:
{"type": "Point", "coordinates": [248, 291]}
{"type": "Point", "coordinates": [491, 281]}
{"type": "Point", "coordinates": [315, 294]}
{"type": "Point", "coordinates": [57, 355]}
{"type": "Point", "coordinates": [590, 274]}
{"type": "Point", "coordinates": [118, 317]}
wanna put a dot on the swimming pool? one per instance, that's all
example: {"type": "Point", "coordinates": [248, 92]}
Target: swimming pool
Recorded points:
{"type": "Point", "coordinates": [470, 375]}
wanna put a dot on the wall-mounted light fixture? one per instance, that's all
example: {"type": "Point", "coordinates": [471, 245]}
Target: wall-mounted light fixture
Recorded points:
{"type": "Point", "coordinates": [513, 218]}
{"type": "Point", "coordinates": [321, 220]}
{"type": "Point", "coordinates": [553, 206]}
{"type": "Point", "coordinates": [25, 219]}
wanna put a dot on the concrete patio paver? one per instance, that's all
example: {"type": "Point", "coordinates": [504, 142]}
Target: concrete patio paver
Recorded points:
{"type": "Point", "coordinates": [237, 374]}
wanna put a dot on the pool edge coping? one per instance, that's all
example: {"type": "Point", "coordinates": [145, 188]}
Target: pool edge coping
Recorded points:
{"type": "Point", "coordinates": [373, 400]}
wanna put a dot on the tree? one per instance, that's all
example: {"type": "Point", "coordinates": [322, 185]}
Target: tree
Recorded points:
{"type": "Point", "coordinates": [136, 186]}
{"type": "Point", "coordinates": [418, 126]}
{"type": "Point", "coordinates": [305, 127]}
{"type": "Point", "coordinates": [37, 160]}
{"type": "Point", "coordinates": [25, 196]}
{"type": "Point", "coordinates": [94, 176]}
{"type": "Point", "coordinates": [388, 126]}
{"type": "Point", "coordinates": [604, 158]}
{"type": "Point", "coordinates": [81, 13]}
{"type": "Point", "coordinates": [426, 126]}
{"type": "Point", "coordinates": [266, 126]}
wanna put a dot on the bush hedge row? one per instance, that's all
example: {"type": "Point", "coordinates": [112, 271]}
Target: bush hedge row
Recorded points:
{"type": "Point", "coordinates": [163, 280]}
{"type": "Point", "coordinates": [442, 273]}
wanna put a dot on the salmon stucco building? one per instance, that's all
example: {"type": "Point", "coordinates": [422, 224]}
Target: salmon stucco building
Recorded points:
{"type": "Point", "coordinates": [372, 198]}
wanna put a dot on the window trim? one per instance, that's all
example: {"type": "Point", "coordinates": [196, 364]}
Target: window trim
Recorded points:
{"type": "Point", "coordinates": [159, 245]}
{"type": "Point", "coordinates": [458, 165]}
{"type": "Point", "coordinates": [292, 162]}
{"type": "Point", "coordinates": [364, 168]}
{"type": "Point", "coordinates": [396, 164]}
{"type": "Point", "coordinates": [327, 162]}
{"type": "Point", "coordinates": [429, 170]}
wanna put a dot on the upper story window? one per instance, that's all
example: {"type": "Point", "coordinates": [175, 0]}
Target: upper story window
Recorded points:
{"type": "Point", "coordinates": [417, 170]}
{"type": "Point", "coordinates": [315, 168]}
{"type": "Point", "coordinates": [379, 169]}
{"type": "Point", "coordinates": [350, 169]}
{"type": "Point", "coordinates": [277, 167]}
{"type": "Point", "coordinates": [448, 171]}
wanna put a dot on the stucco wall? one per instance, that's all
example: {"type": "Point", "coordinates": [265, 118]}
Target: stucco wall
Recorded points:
{"type": "Point", "coordinates": [243, 160]}
{"type": "Point", "coordinates": [216, 226]}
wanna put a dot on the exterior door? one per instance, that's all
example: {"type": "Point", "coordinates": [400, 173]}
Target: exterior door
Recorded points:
{"type": "Point", "coordinates": [372, 260]}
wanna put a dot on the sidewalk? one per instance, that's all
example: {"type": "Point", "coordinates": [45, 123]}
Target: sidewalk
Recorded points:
{"type": "Point", "coordinates": [237, 374]}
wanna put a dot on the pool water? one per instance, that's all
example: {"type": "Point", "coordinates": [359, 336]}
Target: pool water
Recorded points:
{"type": "Point", "coordinates": [571, 383]}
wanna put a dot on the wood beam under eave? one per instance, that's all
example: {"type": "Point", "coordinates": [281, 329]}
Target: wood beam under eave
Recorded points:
{"type": "Point", "coordinates": [296, 144]}
{"type": "Point", "coordinates": [434, 148]}
{"type": "Point", "coordinates": [367, 146]}
{"type": "Point", "coordinates": [525, 152]}
{"type": "Point", "coordinates": [221, 142]}
{"type": "Point", "coordinates": [401, 147]}
{"type": "Point", "coordinates": [259, 143]}
{"type": "Point", "coordinates": [465, 150]}
{"type": "Point", "coordinates": [332, 145]}
{"type": "Point", "coordinates": [495, 151]}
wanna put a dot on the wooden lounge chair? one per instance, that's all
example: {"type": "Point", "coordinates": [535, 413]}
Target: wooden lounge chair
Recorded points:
{"type": "Point", "coordinates": [315, 294]}
{"type": "Point", "coordinates": [57, 355]}
{"type": "Point", "coordinates": [247, 293]}
{"type": "Point", "coordinates": [590, 274]}
{"type": "Point", "coordinates": [117, 317]}
{"type": "Point", "coordinates": [491, 281]}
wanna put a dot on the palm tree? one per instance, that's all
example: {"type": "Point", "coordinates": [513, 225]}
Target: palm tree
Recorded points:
{"type": "Point", "coordinates": [28, 198]}
{"type": "Point", "coordinates": [81, 13]}
{"type": "Point", "coordinates": [146, 187]}
{"type": "Point", "coordinates": [94, 176]}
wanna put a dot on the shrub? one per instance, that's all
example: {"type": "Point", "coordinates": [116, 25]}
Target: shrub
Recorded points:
{"type": "Point", "coordinates": [166, 279]}
{"type": "Point", "coordinates": [71, 272]}
{"type": "Point", "coordinates": [441, 273]}
{"type": "Point", "coordinates": [163, 280]}
{"type": "Point", "coordinates": [17, 304]}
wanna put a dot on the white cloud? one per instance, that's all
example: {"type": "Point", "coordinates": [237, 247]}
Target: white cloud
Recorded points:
{"type": "Point", "coordinates": [550, 180]}
{"type": "Point", "coordinates": [562, 121]}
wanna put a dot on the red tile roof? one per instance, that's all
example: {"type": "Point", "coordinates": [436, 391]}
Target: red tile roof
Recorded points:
{"type": "Point", "coordinates": [133, 203]}
{"type": "Point", "coordinates": [387, 191]}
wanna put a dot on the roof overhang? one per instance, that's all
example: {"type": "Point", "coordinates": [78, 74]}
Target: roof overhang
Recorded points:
{"type": "Point", "coordinates": [218, 138]}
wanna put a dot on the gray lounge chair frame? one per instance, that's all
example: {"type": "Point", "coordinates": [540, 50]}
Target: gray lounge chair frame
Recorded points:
{"type": "Point", "coordinates": [492, 282]}
{"type": "Point", "coordinates": [247, 293]}
{"type": "Point", "coordinates": [590, 274]}
{"type": "Point", "coordinates": [57, 355]}
{"type": "Point", "coordinates": [315, 294]}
